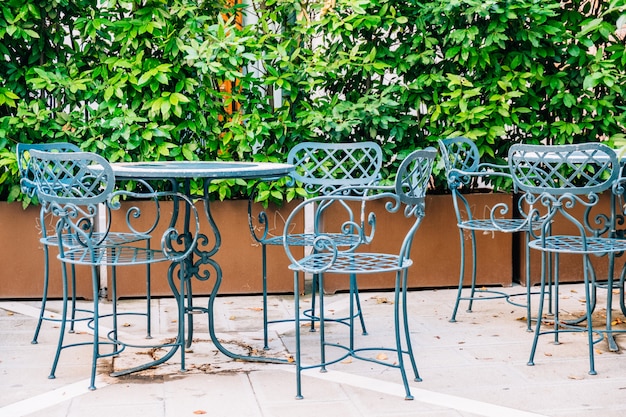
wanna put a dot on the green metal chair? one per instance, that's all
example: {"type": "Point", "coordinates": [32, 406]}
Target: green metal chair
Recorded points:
{"type": "Point", "coordinates": [561, 180]}
{"type": "Point", "coordinates": [330, 257]}
{"type": "Point", "coordinates": [28, 187]}
{"type": "Point", "coordinates": [73, 187]}
{"type": "Point", "coordinates": [463, 169]}
{"type": "Point", "coordinates": [321, 168]}
{"type": "Point", "coordinates": [47, 240]}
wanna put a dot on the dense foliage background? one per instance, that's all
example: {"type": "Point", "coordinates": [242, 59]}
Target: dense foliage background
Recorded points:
{"type": "Point", "coordinates": [204, 80]}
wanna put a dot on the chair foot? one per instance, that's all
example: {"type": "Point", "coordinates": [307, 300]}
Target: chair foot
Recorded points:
{"type": "Point", "coordinates": [409, 398]}
{"type": "Point", "coordinates": [452, 320]}
{"type": "Point", "coordinates": [364, 333]}
{"type": "Point", "coordinates": [34, 342]}
{"type": "Point", "coordinates": [593, 372]}
{"type": "Point", "coordinates": [418, 379]}
{"type": "Point", "coordinates": [531, 363]}
{"type": "Point", "coordinates": [299, 397]}
{"type": "Point", "coordinates": [51, 376]}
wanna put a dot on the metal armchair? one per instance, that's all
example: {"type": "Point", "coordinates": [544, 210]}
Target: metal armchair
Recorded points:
{"type": "Point", "coordinates": [28, 187]}
{"type": "Point", "coordinates": [330, 257]}
{"type": "Point", "coordinates": [321, 168]}
{"type": "Point", "coordinates": [463, 168]}
{"type": "Point", "coordinates": [50, 240]}
{"type": "Point", "coordinates": [558, 180]}
{"type": "Point", "coordinates": [74, 187]}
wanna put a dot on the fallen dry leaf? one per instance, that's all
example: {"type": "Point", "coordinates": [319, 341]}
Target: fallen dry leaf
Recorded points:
{"type": "Point", "coordinates": [348, 360]}
{"type": "Point", "coordinates": [547, 354]}
{"type": "Point", "coordinates": [256, 308]}
{"type": "Point", "coordinates": [382, 357]}
{"type": "Point", "coordinates": [232, 318]}
{"type": "Point", "coordinates": [126, 325]}
{"type": "Point", "coordinates": [199, 412]}
{"type": "Point", "coordinates": [576, 377]}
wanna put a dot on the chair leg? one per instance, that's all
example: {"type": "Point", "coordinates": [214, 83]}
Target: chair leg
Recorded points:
{"type": "Point", "coordinates": [354, 289]}
{"type": "Point", "coordinates": [542, 288]}
{"type": "Point", "coordinates": [264, 272]}
{"type": "Point", "coordinates": [461, 278]}
{"type": "Point", "coordinates": [148, 298]}
{"type": "Point", "coordinates": [314, 289]}
{"type": "Point", "coordinates": [63, 321]}
{"type": "Point", "coordinates": [44, 296]}
{"type": "Point", "coordinates": [587, 266]}
{"type": "Point", "coordinates": [322, 324]}
{"type": "Point", "coordinates": [400, 298]}
{"type": "Point", "coordinates": [407, 334]}
{"type": "Point", "coordinates": [297, 359]}
{"type": "Point", "coordinates": [96, 326]}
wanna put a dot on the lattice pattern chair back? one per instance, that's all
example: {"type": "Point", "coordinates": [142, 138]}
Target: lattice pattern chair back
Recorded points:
{"type": "Point", "coordinates": [75, 178]}
{"type": "Point", "coordinates": [323, 167]}
{"type": "Point", "coordinates": [412, 180]}
{"type": "Point", "coordinates": [563, 169]}
{"type": "Point", "coordinates": [25, 169]}
{"type": "Point", "coordinates": [459, 155]}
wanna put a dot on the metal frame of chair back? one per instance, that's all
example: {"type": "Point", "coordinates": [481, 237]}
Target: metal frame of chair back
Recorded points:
{"type": "Point", "coordinates": [74, 187]}
{"type": "Point", "coordinates": [556, 180]}
{"type": "Point", "coordinates": [407, 195]}
{"type": "Point", "coordinates": [321, 168]}
{"type": "Point", "coordinates": [461, 158]}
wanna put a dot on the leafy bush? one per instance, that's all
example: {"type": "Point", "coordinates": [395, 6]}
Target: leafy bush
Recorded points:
{"type": "Point", "coordinates": [185, 80]}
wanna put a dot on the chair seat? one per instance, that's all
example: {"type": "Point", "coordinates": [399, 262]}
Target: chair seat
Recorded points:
{"type": "Point", "coordinates": [111, 239]}
{"type": "Point", "coordinates": [576, 244]}
{"type": "Point", "coordinates": [114, 256]}
{"type": "Point", "coordinates": [503, 225]}
{"type": "Point", "coordinates": [353, 263]}
{"type": "Point", "coordinates": [306, 239]}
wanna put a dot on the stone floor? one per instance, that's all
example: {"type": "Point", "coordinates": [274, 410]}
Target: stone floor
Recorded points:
{"type": "Point", "coordinates": [474, 367]}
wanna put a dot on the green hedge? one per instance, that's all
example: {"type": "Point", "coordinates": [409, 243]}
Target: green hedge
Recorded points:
{"type": "Point", "coordinates": [143, 80]}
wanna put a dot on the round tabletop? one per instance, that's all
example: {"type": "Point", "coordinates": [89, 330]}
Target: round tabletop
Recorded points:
{"type": "Point", "coordinates": [200, 169]}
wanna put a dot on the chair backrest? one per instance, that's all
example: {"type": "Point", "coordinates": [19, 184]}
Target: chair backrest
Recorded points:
{"type": "Point", "coordinates": [79, 178]}
{"type": "Point", "coordinates": [460, 154]}
{"type": "Point", "coordinates": [23, 161]}
{"type": "Point", "coordinates": [324, 167]}
{"type": "Point", "coordinates": [407, 193]}
{"type": "Point", "coordinates": [412, 179]}
{"type": "Point", "coordinates": [563, 169]}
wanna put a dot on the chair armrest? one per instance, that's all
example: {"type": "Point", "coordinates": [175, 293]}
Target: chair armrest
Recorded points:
{"type": "Point", "coordinates": [352, 225]}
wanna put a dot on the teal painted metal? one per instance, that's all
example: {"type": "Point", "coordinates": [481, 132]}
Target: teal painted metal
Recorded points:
{"type": "Point", "coordinates": [556, 180]}
{"type": "Point", "coordinates": [407, 195]}
{"type": "Point", "coordinates": [463, 168]}
{"type": "Point", "coordinates": [29, 187]}
{"type": "Point", "coordinates": [321, 168]}
{"type": "Point", "coordinates": [200, 264]}
{"type": "Point", "coordinates": [72, 186]}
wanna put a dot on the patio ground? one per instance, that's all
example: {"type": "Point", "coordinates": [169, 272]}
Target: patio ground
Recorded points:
{"type": "Point", "coordinates": [475, 367]}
